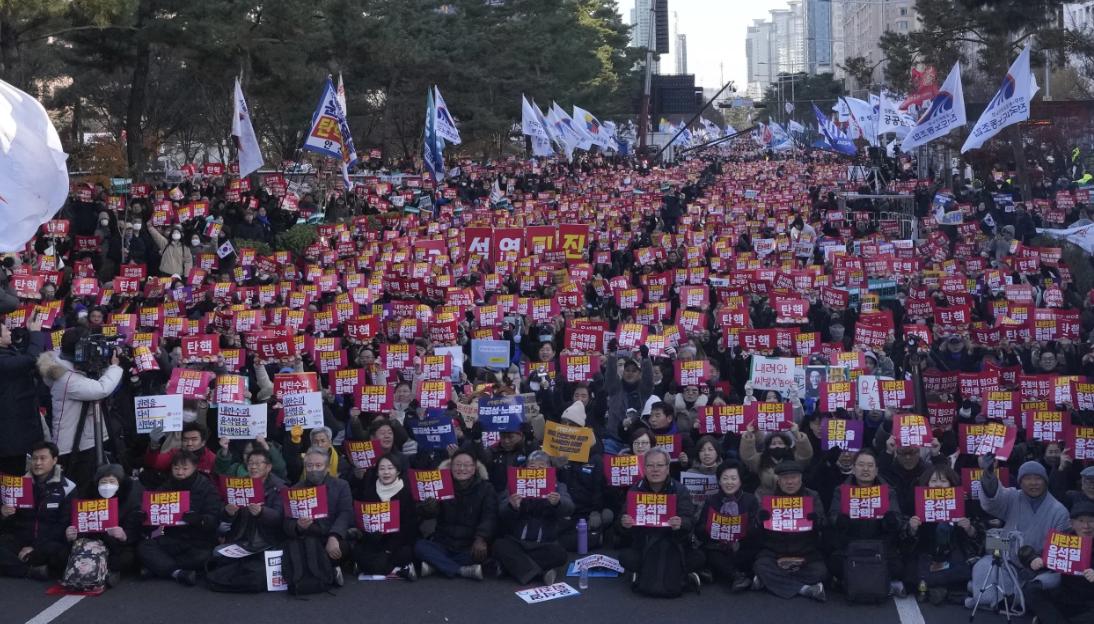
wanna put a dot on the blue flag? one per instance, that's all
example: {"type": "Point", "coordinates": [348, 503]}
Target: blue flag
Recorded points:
{"type": "Point", "coordinates": [833, 138]}
{"type": "Point", "coordinates": [432, 156]}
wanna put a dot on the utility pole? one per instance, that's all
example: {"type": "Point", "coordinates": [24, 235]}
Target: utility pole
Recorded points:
{"type": "Point", "coordinates": [644, 115]}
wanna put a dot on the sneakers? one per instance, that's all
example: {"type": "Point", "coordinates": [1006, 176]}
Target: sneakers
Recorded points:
{"type": "Point", "coordinates": [38, 573]}
{"type": "Point", "coordinates": [427, 570]}
{"type": "Point", "coordinates": [815, 591]}
{"type": "Point", "coordinates": [741, 582]}
{"type": "Point", "coordinates": [757, 584]}
{"type": "Point", "coordinates": [694, 582]}
{"type": "Point", "coordinates": [339, 578]}
{"type": "Point", "coordinates": [896, 588]}
{"type": "Point", "coordinates": [471, 572]}
{"type": "Point", "coordinates": [407, 573]}
{"type": "Point", "coordinates": [549, 577]}
{"type": "Point", "coordinates": [186, 578]}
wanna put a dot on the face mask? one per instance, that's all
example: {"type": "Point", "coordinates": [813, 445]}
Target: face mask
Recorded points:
{"type": "Point", "coordinates": [964, 412]}
{"type": "Point", "coordinates": [108, 490]}
{"type": "Point", "coordinates": [315, 477]}
{"type": "Point", "coordinates": [136, 227]}
{"type": "Point", "coordinates": [189, 415]}
{"type": "Point", "coordinates": [104, 222]}
{"type": "Point", "coordinates": [195, 241]}
{"type": "Point", "coordinates": [780, 453]}
{"type": "Point", "coordinates": [176, 236]}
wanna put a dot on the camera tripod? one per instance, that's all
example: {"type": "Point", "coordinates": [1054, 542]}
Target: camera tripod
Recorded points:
{"type": "Point", "coordinates": [993, 581]}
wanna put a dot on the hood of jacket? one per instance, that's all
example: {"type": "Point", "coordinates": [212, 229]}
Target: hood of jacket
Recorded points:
{"type": "Point", "coordinates": [52, 367]}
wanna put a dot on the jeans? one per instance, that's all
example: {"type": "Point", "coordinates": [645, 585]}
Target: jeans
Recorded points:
{"type": "Point", "coordinates": [447, 562]}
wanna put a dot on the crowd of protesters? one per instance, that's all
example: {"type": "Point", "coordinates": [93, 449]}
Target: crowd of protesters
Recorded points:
{"type": "Point", "coordinates": [723, 261]}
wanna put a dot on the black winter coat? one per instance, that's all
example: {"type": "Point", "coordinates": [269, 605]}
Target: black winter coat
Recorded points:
{"type": "Point", "coordinates": [205, 507]}
{"type": "Point", "coordinates": [585, 483]}
{"type": "Point", "coordinates": [408, 516]}
{"type": "Point", "coordinates": [51, 515]}
{"type": "Point", "coordinates": [20, 424]}
{"type": "Point", "coordinates": [685, 508]}
{"type": "Point", "coordinates": [265, 529]}
{"type": "Point", "coordinates": [473, 513]}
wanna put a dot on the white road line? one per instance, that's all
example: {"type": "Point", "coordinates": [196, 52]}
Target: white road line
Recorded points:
{"type": "Point", "coordinates": [54, 611]}
{"type": "Point", "coordinates": [908, 610]}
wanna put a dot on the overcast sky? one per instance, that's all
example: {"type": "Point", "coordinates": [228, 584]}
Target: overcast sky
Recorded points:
{"type": "Point", "coordinates": [716, 36]}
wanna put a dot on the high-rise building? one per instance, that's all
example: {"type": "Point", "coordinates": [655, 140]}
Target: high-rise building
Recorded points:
{"type": "Point", "coordinates": [818, 40]}
{"type": "Point", "coordinates": [864, 23]}
{"type": "Point", "coordinates": [642, 27]}
{"type": "Point", "coordinates": [759, 54]}
{"type": "Point", "coordinates": [681, 53]}
{"type": "Point", "coordinates": [1079, 15]}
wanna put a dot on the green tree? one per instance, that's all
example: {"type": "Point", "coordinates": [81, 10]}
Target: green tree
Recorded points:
{"type": "Point", "coordinates": [803, 90]}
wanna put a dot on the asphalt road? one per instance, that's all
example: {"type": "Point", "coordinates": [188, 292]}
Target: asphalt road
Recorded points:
{"type": "Point", "coordinates": [437, 600]}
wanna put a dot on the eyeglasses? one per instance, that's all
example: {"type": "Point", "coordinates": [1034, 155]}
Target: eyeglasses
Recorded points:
{"type": "Point", "coordinates": [657, 465]}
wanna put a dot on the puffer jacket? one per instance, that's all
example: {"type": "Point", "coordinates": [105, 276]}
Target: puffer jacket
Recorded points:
{"type": "Point", "coordinates": [265, 529]}
{"type": "Point", "coordinates": [175, 258]}
{"type": "Point", "coordinates": [69, 390]}
{"type": "Point", "coordinates": [205, 505]}
{"type": "Point", "coordinates": [473, 513]}
{"type": "Point", "coordinates": [20, 424]}
{"type": "Point", "coordinates": [51, 515]}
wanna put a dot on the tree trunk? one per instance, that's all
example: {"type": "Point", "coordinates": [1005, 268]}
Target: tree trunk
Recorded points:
{"type": "Point", "coordinates": [138, 96]}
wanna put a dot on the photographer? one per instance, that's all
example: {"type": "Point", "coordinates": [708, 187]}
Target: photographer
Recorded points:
{"type": "Point", "coordinates": [70, 390]}
{"type": "Point", "coordinates": [20, 424]}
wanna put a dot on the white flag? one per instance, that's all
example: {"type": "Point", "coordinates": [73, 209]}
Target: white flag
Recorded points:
{"type": "Point", "coordinates": [1009, 106]}
{"type": "Point", "coordinates": [863, 119]}
{"type": "Point", "coordinates": [580, 139]}
{"type": "Point", "coordinates": [585, 122]}
{"type": "Point", "coordinates": [33, 175]}
{"type": "Point", "coordinates": [243, 133]}
{"type": "Point", "coordinates": [531, 126]}
{"type": "Point", "coordinates": [796, 128]}
{"type": "Point", "coordinates": [945, 112]}
{"type": "Point", "coordinates": [226, 249]}
{"type": "Point", "coordinates": [446, 126]}
{"type": "Point", "coordinates": [891, 118]}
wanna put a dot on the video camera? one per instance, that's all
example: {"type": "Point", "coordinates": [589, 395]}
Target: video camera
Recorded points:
{"type": "Point", "coordinates": [93, 353]}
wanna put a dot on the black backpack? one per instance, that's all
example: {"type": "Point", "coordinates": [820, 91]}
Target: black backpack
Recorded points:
{"type": "Point", "coordinates": [662, 571]}
{"type": "Point", "coordinates": [242, 576]}
{"type": "Point", "coordinates": [306, 567]}
{"type": "Point", "coordinates": [865, 573]}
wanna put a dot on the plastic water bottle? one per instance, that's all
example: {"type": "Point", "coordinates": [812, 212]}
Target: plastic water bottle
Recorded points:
{"type": "Point", "coordinates": [583, 580]}
{"type": "Point", "coordinates": [582, 537]}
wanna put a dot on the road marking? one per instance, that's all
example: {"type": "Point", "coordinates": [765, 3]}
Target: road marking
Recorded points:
{"type": "Point", "coordinates": [908, 610]}
{"type": "Point", "coordinates": [54, 611]}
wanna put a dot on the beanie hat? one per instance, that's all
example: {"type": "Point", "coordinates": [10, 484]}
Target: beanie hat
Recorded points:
{"type": "Point", "coordinates": [648, 407]}
{"type": "Point", "coordinates": [575, 414]}
{"type": "Point", "coordinates": [1032, 468]}
{"type": "Point", "coordinates": [110, 470]}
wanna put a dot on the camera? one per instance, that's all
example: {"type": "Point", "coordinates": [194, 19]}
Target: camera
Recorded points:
{"type": "Point", "coordinates": [93, 353]}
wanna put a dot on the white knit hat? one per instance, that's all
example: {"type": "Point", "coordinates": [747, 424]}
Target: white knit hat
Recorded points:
{"type": "Point", "coordinates": [575, 414]}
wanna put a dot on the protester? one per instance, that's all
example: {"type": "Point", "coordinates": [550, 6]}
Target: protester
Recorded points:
{"type": "Point", "coordinates": [465, 524]}
{"type": "Point", "coordinates": [791, 564]}
{"type": "Point", "coordinates": [1072, 601]}
{"type": "Point", "coordinates": [120, 542]}
{"type": "Point", "coordinates": [331, 530]}
{"type": "Point", "coordinates": [32, 541]}
{"type": "Point", "coordinates": [379, 553]}
{"type": "Point", "coordinates": [729, 560]}
{"type": "Point", "coordinates": [20, 422]}
{"type": "Point", "coordinates": [528, 546]}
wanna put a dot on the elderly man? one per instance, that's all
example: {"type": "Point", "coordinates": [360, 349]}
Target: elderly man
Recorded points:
{"type": "Point", "coordinates": [791, 563]}
{"type": "Point", "coordinates": [671, 543]}
{"type": "Point", "coordinates": [333, 528]}
{"type": "Point", "coordinates": [1028, 509]}
{"type": "Point", "coordinates": [32, 541]}
{"type": "Point", "coordinates": [1073, 601]}
{"type": "Point", "coordinates": [465, 524]}
{"type": "Point", "coordinates": [625, 393]}
{"type": "Point", "coordinates": [258, 526]}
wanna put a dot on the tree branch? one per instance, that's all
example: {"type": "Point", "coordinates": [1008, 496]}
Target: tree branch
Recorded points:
{"type": "Point", "coordinates": [63, 31]}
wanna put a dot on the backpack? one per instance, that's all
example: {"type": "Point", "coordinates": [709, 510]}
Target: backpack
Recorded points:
{"type": "Point", "coordinates": [242, 576]}
{"type": "Point", "coordinates": [306, 567]}
{"type": "Point", "coordinates": [86, 569]}
{"type": "Point", "coordinates": [662, 571]}
{"type": "Point", "coordinates": [865, 573]}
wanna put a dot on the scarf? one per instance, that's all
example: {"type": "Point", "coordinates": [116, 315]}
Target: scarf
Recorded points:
{"type": "Point", "coordinates": [388, 492]}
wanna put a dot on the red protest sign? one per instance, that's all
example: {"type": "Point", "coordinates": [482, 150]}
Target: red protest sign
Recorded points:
{"type": "Point", "coordinates": [1081, 442]}
{"type": "Point", "coordinates": [864, 503]}
{"type": "Point", "coordinates": [623, 470]}
{"type": "Point", "coordinates": [242, 491]}
{"type": "Point", "coordinates": [981, 439]}
{"type": "Point", "coordinates": [650, 509]}
{"type": "Point", "coordinates": [305, 502]}
{"type": "Point", "coordinates": [434, 393]}
{"type": "Point", "coordinates": [726, 529]}
{"type": "Point", "coordinates": [788, 513]}
{"type": "Point", "coordinates": [896, 393]}
{"type": "Point", "coordinates": [94, 515]}
{"type": "Point", "coordinates": [16, 491]}
{"type": "Point", "coordinates": [837, 394]}
{"type": "Point", "coordinates": [1082, 396]}
{"type": "Point", "coordinates": [770, 416]}
{"type": "Point", "coordinates": [911, 430]}
{"type": "Point", "coordinates": [163, 509]}
{"type": "Point", "coordinates": [692, 372]}
{"type": "Point", "coordinates": [939, 504]}
{"type": "Point", "coordinates": [200, 348]}
{"type": "Point", "coordinates": [531, 482]}
{"type": "Point", "coordinates": [362, 453]}
{"type": "Point", "coordinates": [577, 368]}
{"type": "Point", "coordinates": [1067, 554]}
{"type": "Point", "coordinates": [1002, 405]}
{"type": "Point", "coordinates": [719, 419]}
{"type": "Point", "coordinates": [231, 389]}
{"type": "Point", "coordinates": [374, 398]}
{"type": "Point", "coordinates": [377, 517]}
{"type": "Point", "coordinates": [1045, 425]}
{"type": "Point", "coordinates": [190, 384]}
{"type": "Point", "coordinates": [426, 484]}
{"type": "Point", "coordinates": [295, 383]}
{"type": "Point", "coordinates": [346, 381]}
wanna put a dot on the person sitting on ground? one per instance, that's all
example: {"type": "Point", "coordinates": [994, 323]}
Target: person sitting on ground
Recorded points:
{"type": "Point", "coordinates": [529, 547]}
{"type": "Point", "coordinates": [258, 526]}
{"type": "Point", "coordinates": [729, 560]}
{"type": "Point", "coordinates": [1073, 601]}
{"type": "Point", "coordinates": [379, 553]}
{"type": "Point", "coordinates": [791, 564]}
{"type": "Point", "coordinates": [32, 541]}
{"type": "Point", "coordinates": [334, 528]}
{"type": "Point", "coordinates": [941, 550]}
{"type": "Point", "coordinates": [119, 541]}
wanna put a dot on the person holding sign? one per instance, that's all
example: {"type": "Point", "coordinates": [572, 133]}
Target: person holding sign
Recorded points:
{"type": "Point", "coordinates": [791, 563]}
{"type": "Point", "coordinates": [192, 440]}
{"type": "Point", "coordinates": [866, 508]}
{"type": "Point", "coordinates": [232, 460]}
{"type": "Point", "coordinates": [378, 552]}
{"type": "Point", "coordinates": [333, 528]}
{"type": "Point", "coordinates": [465, 524]}
{"type": "Point", "coordinates": [529, 548]}
{"type": "Point", "coordinates": [942, 548]}
{"type": "Point", "coordinates": [180, 551]}
{"type": "Point", "coordinates": [660, 552]}
{"type": "Point", "coordinates": [256, 523]}
{"type": "Point", "coordinates": [32, 540]}
{"type": "Point", "coordinates": [1073, 601]}
{"type": "Point", "coordinates": [776, 447]}
{"type": "Point", "coordinates": [723, 529]}
{"type": "Point", "coordinates": [121, 536]}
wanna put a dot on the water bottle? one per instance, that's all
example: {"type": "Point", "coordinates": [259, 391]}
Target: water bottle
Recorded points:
{"type": "Point", "coordinates": [582, 537]}
{"type": "Point", "coordinates": [583, 580]}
